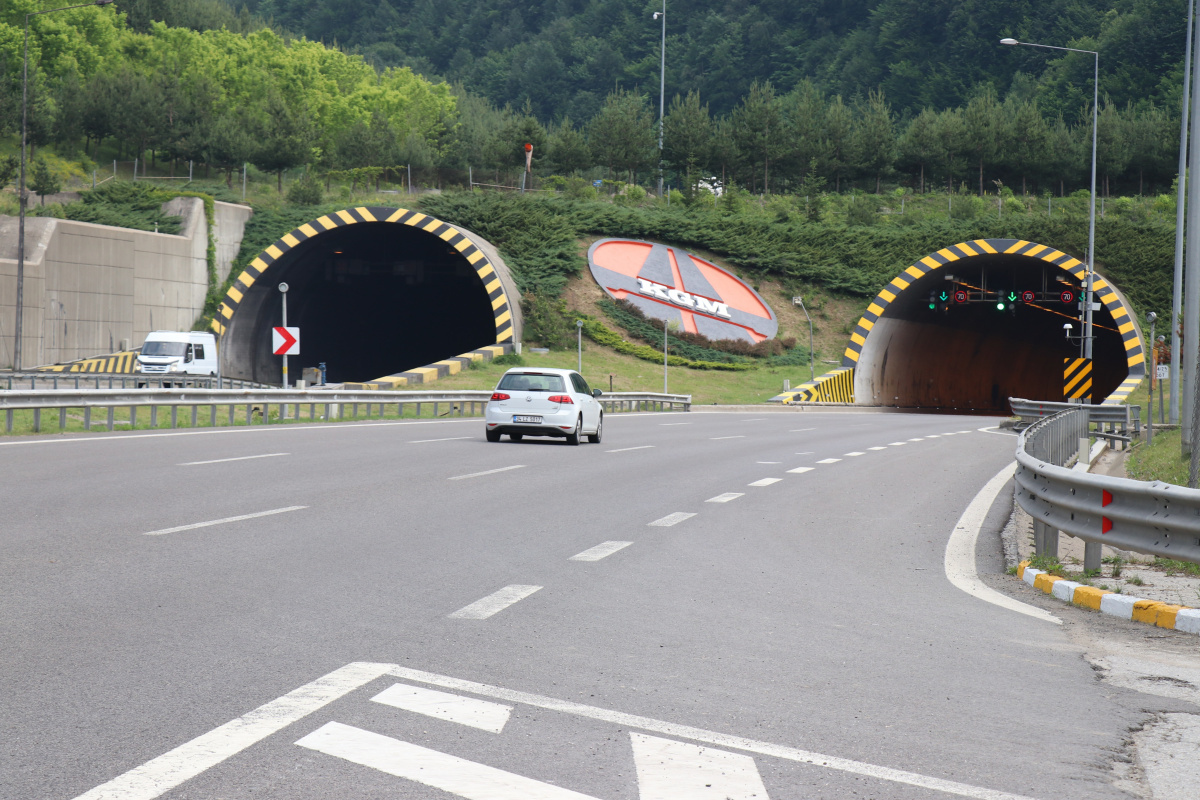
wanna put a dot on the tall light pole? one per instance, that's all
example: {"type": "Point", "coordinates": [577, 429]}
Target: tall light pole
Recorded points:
{"type": "Point", "coordinates": [662, 92]}
{"type": "Point", "coordinates": [1180, 205]}
{"type": "Point", "coordinates": [21, 199]}
{"type": "Point", "coordinates": [1091, 248]}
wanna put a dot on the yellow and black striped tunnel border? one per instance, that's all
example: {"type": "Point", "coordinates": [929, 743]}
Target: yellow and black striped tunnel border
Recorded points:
{"type": "Point", "coordinates": [113, 363]}
{"type": "Point", "coordinates": [1102, 291]}
{"type": "Point", "coordinates": [836, 386]}
{"type": "Point", "coordinates": [501, 307]}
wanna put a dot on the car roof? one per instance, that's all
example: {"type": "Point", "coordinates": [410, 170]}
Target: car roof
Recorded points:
{"type": "Point", "coordinates": [538, 371]}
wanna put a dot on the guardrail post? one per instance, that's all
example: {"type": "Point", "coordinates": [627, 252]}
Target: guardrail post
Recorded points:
{"type": "Point", "coordinates": [174, 416]}
{"type": "Point", "coordinates": [195, 412]}
{"type": "Point", "coordinates": [1091, 556]}
{"type": "Point", "coordinates": [62, 419]}
{"type": "Point", "coordinates": [1045, 539]}
{"type": "Point", "coordinates": [153, 416]}
{"type": "Point", "coordinates": [112, 413]}
{"type": "Point", "coordinates": [87, 418]}
{"type": "Point", "coordinates": [132, 417]}
{"type": "Point", "coordinates": [37, 420]}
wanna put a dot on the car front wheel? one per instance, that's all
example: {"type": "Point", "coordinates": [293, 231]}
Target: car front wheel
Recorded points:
{"type": "Point", "coordinates": [574, 436]}
{"type": "Point", "coordinates": [594, 438]}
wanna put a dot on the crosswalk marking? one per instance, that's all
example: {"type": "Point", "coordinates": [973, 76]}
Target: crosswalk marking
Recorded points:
{"type": "Point", "coordinates": [430, 767]}
{"type": "Point", "coordinates": [672, 519]}
{"type": "Point", "coordinates": [602, 550]}
{"type": "Point", "coordinates": [725, 498]}
{"type": "Point", "coordinates": [494, 602]}
{"type": "Point", "coordinates": [486, 716]}
{"type": "Point", "coordinates": [671, 770]}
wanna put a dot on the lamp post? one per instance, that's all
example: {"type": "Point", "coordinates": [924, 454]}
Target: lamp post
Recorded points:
{"type": "Point", "coordinates": [579, 343]}
{"type": "Point", "coordinates": [283, 290]}
{"type": "Point", "coordinates": [798, 300]}
{"type": "Point", "coordinates": [1151, 318]}
{"type": "Point", "coordinates": [21, 199]}
{"type": "Point", "coordinates": [1091, 250]}
{"type": "Point", "coordinates": [1180, 205]}
{"type": "Point", "coordinates": [662, 91]}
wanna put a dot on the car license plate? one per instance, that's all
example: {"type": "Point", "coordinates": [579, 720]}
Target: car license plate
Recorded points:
{"type": "Point", "coordinates": [534, 420]}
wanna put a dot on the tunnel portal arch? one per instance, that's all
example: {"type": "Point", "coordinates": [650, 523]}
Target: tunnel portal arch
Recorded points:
{"type": "Point", "coordinates": [375, 290]}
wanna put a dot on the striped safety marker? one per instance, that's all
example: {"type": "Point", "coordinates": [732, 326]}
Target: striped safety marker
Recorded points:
{"type": "Point", "coordinates": [1077, 378]}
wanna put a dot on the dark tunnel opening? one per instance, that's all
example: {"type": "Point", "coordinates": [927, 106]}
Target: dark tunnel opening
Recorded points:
{"type": "Point", "coordinates": [370, 299]}
{"type": "Point", "coordinates": [931, 350]}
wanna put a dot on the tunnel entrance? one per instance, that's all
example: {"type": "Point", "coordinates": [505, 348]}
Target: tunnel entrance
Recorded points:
{"type": "Point", "coordinates": [373, 291]}
{"type": "Point", "coordinates": [974, 324]}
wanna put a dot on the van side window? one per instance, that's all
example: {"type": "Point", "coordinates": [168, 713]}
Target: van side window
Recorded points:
{"type": "Point", "coordinates": [199, 350]}
{"type": "Point", "coordinates": [187, 355]}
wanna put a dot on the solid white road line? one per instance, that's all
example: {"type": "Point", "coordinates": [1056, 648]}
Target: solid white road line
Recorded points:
{"type": "Point", "coordinates": [627, 449]}
{"type": "Point", "coordinates": [800, 470]}
{"type": "Point", "coordinates": [445, 439]}
{"type": "Point", "coordinates": [669, 424]}
{"type": "Point", "coordinates": [238, 518]}
{"type": "Point", "coordinates": [877, 448]}
{"type": "Point", "coordinates": [672, 519]}
{"type": "Point", "coordinates": [756, 419]}
{"type": "Point", "coordinates": [719, 438]}
{"type": "Point", "coordinates": [725, 498]}
{"type": "Point", "coordinates": [600, 551]}
{"type": "Point", "coordinates": [420, 764]}
{"type": "Point", "coordinates": [995, 431]}
{"type": "Point", "coordinates": [482, 714]}
{"type": "Point", "coordinates": [856, 453]}
{"type": "Point", "coordinates": [486, 472]}
{"type": "Point", "coordinates": [239, 458]}
{"type": "Point", "coordinates": [801, 430]}
{"type": "Point", "coordinates": [159, 775]}
{"type": "Point", "coordinates": [764, 481]}
{"type": "Point", "coordinates": [829, 460]}
{"type": "Point", "coordinates": [671, 770]}
{"type": "Point", "coordinates": [495, 602]}
{"type": "Point", "coordinates": [960, 551]}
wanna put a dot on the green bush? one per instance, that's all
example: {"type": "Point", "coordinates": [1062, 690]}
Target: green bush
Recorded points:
{"type": "Point", "coordinates": [510, 360]}
{"type": "Point", "coordinates": [307, 191]}
{"type": "Point", "coordinates": [546, 322]}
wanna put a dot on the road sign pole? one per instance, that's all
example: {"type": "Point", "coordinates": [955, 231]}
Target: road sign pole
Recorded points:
{"type": "Point", "coordinates": [283, 287]}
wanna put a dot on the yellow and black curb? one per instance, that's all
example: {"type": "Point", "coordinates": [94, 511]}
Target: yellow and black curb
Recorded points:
{"type": "Point", "coordinates": [1150, 612]}
{"type": "Point", "coordinates": [113, 363]}
{"type": "Point", "coordinates": [431, 372]}
{"type": "Point", "coordinates": [836, 386]}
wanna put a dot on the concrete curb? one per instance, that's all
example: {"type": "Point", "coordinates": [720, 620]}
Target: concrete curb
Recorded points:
{"type": "Point", "coordinates": [1150, 612]}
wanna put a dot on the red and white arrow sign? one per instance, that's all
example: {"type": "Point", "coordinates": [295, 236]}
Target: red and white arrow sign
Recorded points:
{"type": "Point", "coordinates": [285, 341]}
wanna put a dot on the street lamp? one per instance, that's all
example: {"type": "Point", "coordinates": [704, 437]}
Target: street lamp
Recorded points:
{"type": "Point", "coordinates": [1091, 251]}
{"type": "Point", "coordinates": [662, 90]}
{"type": "Point", "coordinates": [21, 199]}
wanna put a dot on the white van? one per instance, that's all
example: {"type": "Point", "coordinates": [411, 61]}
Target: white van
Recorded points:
{"type": "Point", "coordinates": [175, 353]}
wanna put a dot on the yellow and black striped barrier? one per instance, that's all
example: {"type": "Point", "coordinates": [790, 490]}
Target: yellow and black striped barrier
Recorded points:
{"type": "Point", "coordinates": [122, 362]}
{"type": "Point", "coordinates": [833, 387]}
{"type": "Point", "coordinates": [1077, 378]}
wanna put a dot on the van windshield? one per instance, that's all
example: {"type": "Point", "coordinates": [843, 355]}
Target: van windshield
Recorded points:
{"type": "Point", "coordinates": [164, 348]}
{"type": "Point", "coordinates": [531, 382]}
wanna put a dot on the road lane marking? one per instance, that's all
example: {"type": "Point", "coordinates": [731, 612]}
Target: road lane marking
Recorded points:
{"type": "Point", "coordinates": [964, 431]}
{"type": "Point", "coordinates": [725, 498]}
{"type": "Point", "coordinates": [764, 481]}
{"type": "Point", "coordinates": [916, 440]}
{"type": "Point", "coordinates": [671, 519]}
{"type": "Point", "coordinates": [950, 433]}
{"type": "Point", "coordinates": [959, 561]}
{"type": "Point", "coordinates": [429, 767]}
{"type": "Point", "coordinates": [829, 460]}
{"type": "Point", "coordinates": [768, 462]}
{"type": "Point", "coordinates": [756, 419]}
{"type": "Point", "coordinates": [805, 453]}
{"type": "Point", "coordinates": [800, 470]}
{"type": "Point", "coordinates": [445, 439]}
{"type": "Point", "coordinates": [627, 449]}
{"type": "Point", "coordinates": [856, 453]}
{"type": "Point", "coordinates": [602, 550]}
{"type": "Point", "coordinates": [995, 431]}
{"type": "Point", "coordinates": [931, 436]}
{"type": "Point", "coordinates": [673, 770]}
{"type": "Point", "coordinates": [669, 424]}
{"type": "Point", "coordinates": [482, 714]}
{"type": "Point", "coordinates": [495, 602]}
{"type": "Point", "coordinates": [719, 438]}
{"type": "Point", "coordinates": [877, 448]}
{"type": "Point", "coordinates": [897, 444]}
{"type": "Point", "coordinates": [486, 472]}
{"type": "Point", "coordinates": [238, 518]}
{"type": "Point", "coordinates": [801, 430]}
{"type": "Point", "coordinates": [238, 458]}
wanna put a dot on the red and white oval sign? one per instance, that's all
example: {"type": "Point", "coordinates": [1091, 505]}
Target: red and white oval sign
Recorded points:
{"type": "Point", "coordinates": [671, 284]}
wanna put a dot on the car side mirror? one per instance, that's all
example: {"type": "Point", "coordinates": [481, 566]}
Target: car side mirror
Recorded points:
{"type": "Point", "coordinates": [596, 392]}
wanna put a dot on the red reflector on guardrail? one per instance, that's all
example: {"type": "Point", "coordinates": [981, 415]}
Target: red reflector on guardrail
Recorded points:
{"type": "Point", "coordinates": [1107, 498]}
{"type": "Point", "coordinates": [1105, 524]}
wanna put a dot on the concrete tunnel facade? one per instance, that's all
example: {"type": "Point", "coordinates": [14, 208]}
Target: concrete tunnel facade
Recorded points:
{"type": "Point", "coordinates": [375, 292]}
{"type": "Point", "coordinates": [937, 337]}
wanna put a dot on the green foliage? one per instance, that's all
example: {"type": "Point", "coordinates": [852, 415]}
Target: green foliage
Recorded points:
{"type": "Point", "coordinates": [597, 332]}
{"type": "Point", "coordinates": [632, 320]}
{"type": "Point", "coordinates": [10, 166]}
{"type": "Point", "coordinates": [509, 360]}
{"type": "Point", "coordinates": [125, 205]}
{"type": "Point", "coordinates": [1049, 564]}
{"type": "Point", "coordinates": [307, 191]}
{"type": "Point", "coordinates": [546, 321]}
{"type": "Point", "coordinates": [43, 179]}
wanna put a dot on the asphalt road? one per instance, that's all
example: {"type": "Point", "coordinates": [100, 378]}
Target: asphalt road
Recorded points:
{"type": "Point", "coordinates": [799, 640]}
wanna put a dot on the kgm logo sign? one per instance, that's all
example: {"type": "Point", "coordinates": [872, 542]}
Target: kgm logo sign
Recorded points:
{"type": "Point", "coordinates": [673, 285]}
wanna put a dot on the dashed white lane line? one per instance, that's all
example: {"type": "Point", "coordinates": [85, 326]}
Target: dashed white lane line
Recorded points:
{"type": "Point", "coordinates": [238, 518]}
{"type": "Point", "coordinates": [801, 430]}
{"type": "Point", "coordinates": [669, 424]}
{"type": "Point", "coordinates": [672, 519]}
{"type": "Point", "coordinates": [800, 470]}
{"type": "Point", "coordinates": [897, 444]}
{"type": "Point", "coordinates": [495, 602]}
{"type": "Point", "coordinates": [482, 714]}
{"type": "Point", "coordinates": [725, 498]}
{"type": "Point", "coordinates": [856, 453]}
{"type": "Point", "coordinates": [627, 449]}
{"type": "Point", "coordinates": [486, 472]}
{"type": "Point", "coordinates": [719, 438]}
{"type": "Point", "coordinates": [932, 436]}
{"type": "Point", "coordinates": [877, 448]}
{"type": "Point", "coordinates": [963, 431]}
{"type": "Point", "coordinates": [768, 462]}
{"type": "Point", "coordinates": [756, 419]}
{"type": "Point", "coordinates": [916, 440]}
{"type": "Point", "coordinates": [602, 550]}
{"type": "Point", "coordinates": [829, 460]}
{"type": "Point", "coordinates": [238, 458]}
{"type": "Point", "coordinates": [765, 481]}
{"type": "Point", "coordinates": [445, 439]}
{"type": "Point", "coordinates": [805, 453]}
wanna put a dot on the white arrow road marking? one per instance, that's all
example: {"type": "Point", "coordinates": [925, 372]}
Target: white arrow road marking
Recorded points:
{"type": "Point", "coordinates": [670, 770]}
{"type": "Point", "coordinates": [600, 551]}
{"type": "Point", "coordinates": [764, 481]}
{"type": "Point", "coordinates": [481, 714]}
{"type": "Point", "coordinates": [238, 518]}
{"type": "Point", "coordinates": [486, 472]}
{"type": "Point", "coordinates": [672, 519]}
{"type": "Point", "coordinates": [725, 498]}
{"type": "Point", "coordinates": [439, 770]}
{"type": "Point", "coordinates": [800, 470]}
{"type": "Point", "coordinates": [494, 602]}
{"type": "Point", "coordinates": [239, 458]}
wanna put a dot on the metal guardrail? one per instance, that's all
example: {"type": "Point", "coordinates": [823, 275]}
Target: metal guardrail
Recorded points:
{"type": "Point", "coordinates": [291, 402]}
{"type": "Point", "coordinates": [118, 380]}
{"type": "Point", "coordinates": [1125, 418]}
{"type": "Point", "coordinates": [1154, 518]}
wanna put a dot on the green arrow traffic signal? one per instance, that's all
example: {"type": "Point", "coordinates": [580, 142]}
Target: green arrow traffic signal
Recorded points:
{"type": "Point", "coordinates": [1012, 297]}
{"type": "Point", "coordinates": [945, 297]}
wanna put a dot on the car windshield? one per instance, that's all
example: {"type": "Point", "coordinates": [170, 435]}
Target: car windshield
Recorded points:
{"type": "Point", "coordinates": [531, 382]}
{"type": "Point", "coordinates": [164, 348]}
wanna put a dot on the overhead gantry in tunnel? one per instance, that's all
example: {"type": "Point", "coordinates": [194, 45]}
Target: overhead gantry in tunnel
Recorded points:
{"type": "Point", "coordinates": [975, 323]}
{"type": "Point", "coordinates": [374, 291]}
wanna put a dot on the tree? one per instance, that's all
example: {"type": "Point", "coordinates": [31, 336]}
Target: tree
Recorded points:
{"type": "Point", "coordinates": [953, 144]}
{"type": "Point", "coordinates": [838, 124]}
{"type": "Point", "coordinates": [568, 149]}
{"type": "Point", "coordinates": [285, 139]}
{"type": "Point", "coordinates": [758, 132]}
{"type": "Point", "coordinates": [622, 134]}
{"type": "Point", "coordinates": [804, 111]}
{"type": "Point", "coordinates": [1064, 153]}
{"type": "Point", "coordinates": [873, 138]}
{"type": "Point", "coordinates": [9, 167]}
{"type": "Point", "coordinates": [1027, 138]}
{"type": "Point", "coordinates": [919, 144]}
{"type": "Point", "coordinates": [228, 144]}
{"type": "Point", "coordinates": [1112, 143]}
{"type": "Point", "coordinates": [43, 180]}
{"type": "Point", "coordinates": [983, 123]}
{"type": "Point", "coordinates": [688, 135]}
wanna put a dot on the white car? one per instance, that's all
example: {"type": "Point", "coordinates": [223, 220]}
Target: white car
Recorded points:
{"type": "Point", "coordinates": [544, 402]}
